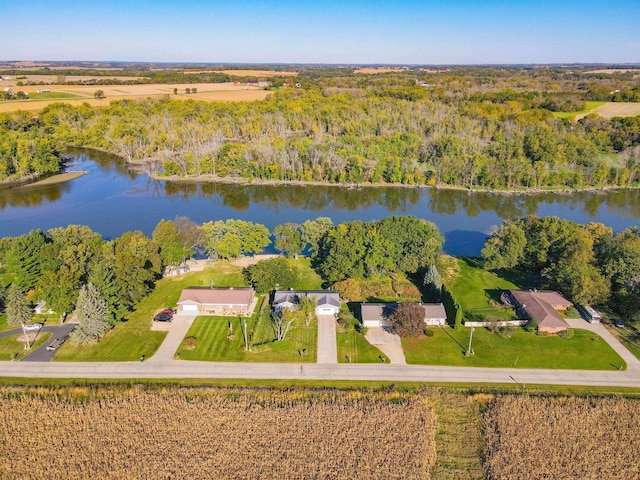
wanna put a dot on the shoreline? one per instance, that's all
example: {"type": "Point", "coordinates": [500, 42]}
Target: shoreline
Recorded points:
{"type": "Point", "coordinates": [358, 186]}
{"type": "Point", "coordinates": [138, 167]}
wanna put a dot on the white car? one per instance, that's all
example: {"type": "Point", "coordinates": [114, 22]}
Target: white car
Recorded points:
{"type": "Point", "coordinates": [34, 327]}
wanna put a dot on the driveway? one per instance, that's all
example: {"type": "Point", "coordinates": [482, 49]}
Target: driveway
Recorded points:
{"type": "Point", "coordinates": [178, 328]}
{"type": "Point", "coordinates": [41, 354]}
{"type": "Point", "coordinates": [632, 362]}
{"type": "Point", "coordinates": [327, 348]}
{"type": "Point", "coordinates": [387, 343]}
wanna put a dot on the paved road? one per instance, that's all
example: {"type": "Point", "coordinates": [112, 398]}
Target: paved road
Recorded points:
{"type": "Point", "coordinates": [388, 372]}
{"type": "Point", "coordinates": [327, 348]}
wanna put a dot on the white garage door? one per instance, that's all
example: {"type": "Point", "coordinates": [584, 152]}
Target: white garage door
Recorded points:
{"type": "Point", "coordinates": [325, 311]}
{"type": "Point", "coordinates": [372, 323]}
{"type": "Point", "coordinates": [190, 308]}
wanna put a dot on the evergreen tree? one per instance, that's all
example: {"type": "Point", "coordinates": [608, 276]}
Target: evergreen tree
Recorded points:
{"type": "Point", "coordinates": [432, 284]}
{"type": "Point", "coordinates": [92, 313]}
{"type": "Point", "coordinates": [18, 309]}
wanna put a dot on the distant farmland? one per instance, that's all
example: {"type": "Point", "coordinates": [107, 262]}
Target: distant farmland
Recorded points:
{"type": "Point", "coordinates": [618, 109]}
{"type": "Point", "coordinates": [78, 94]}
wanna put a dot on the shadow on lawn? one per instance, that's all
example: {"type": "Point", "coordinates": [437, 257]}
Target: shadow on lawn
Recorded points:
{"type": "Point", "coordinates": [464, 349]}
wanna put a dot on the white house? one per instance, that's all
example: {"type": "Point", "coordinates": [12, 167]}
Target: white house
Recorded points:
{"type": "Point", "coordinates": [327, 303]}
{"type": "Point", "coordinates": [377, 314]}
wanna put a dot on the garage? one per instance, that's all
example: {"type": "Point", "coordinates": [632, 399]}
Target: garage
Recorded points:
{"type": "Point", "coordinates": [326, 311]}
{"type": "Point", "coordinates": [189, 307]}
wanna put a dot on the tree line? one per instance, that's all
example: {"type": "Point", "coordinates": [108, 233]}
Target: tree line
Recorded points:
{"type": "Point", "coordinates": [471, 128]}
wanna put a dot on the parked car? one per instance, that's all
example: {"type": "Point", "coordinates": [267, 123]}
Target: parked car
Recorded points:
{"type": "Point", "coordinates": [163, 317]}
{"type": "Point", "coordinates": [57, 343]}
{"type": "Point", "coordinates": [619, 324]}
{"type": "Point", "coordinates": [167, 311]}
{"type": "Point", "coordinates": [34, 327]}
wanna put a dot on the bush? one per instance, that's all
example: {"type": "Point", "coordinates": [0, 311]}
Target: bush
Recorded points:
{"type": "Point", "coordinates": [429, 332]}
{"type": "Point", "coordinates": [452, 307]}
{"type": "Point", "coordinates": [531, 325]}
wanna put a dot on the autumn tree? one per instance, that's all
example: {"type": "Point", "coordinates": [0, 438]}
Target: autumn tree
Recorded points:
{"type": "Point", "coordinates": [407, 319]}
{"type": "Point", "coordinates": [283, 321]}
{"type": "Point", "coordinates": [307, 308]}
{"type": "Point", "coordinates": [171, 243]}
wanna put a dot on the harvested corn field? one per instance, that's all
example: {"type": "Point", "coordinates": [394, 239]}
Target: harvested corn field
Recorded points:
{"type": "Point", "coordinates": [120, 433]}
{"type": "Point", "coordinates": [581, 438]}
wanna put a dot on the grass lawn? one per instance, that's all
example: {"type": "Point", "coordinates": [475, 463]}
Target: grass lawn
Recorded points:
{"type": "Point", "coordinates": [9, 346]}
{"type": "Point", "coordinates": [213, 344]}
{"type": "Point", "coordinates": [521, 349]}
{"type": "Point", "coordinates": [477, 289]}
{"type": "Point", "coordinates": [355, 346]}
{"type": "Point", "coordinates": [588, 107]}
{"type": "Point", "coordinates": [630, 338]}
{"type": "Point", "coordinates": [133, 338]}
{"type": "Point", "coordinates": [308, 278]}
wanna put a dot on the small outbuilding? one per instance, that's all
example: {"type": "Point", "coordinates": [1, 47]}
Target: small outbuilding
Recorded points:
{"type": "Point", "coordinates": [217, 300]}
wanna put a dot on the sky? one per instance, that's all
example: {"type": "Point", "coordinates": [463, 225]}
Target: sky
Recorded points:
{"type": "Point", "coordinates": [323, 31]}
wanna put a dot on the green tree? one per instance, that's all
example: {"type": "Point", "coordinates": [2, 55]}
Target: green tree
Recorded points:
{"type": "Point", "coordinates": [92, 313]}
{"type": "Point", "coordinates": [25, 257]}
{"type": "Point", "coordinates": [137, 266]}
{"type": "Point", "coordinates": [312, 231]}
{"type": "Point", "coordinates": [307, 307]}
{"type": "Point", "coordinates": [505, 248]}
{"type": "Point", "coordinates": [580, 281]}
{"type": "Point", "coordinates": [171, 243]}
{"type": "Point", "coordinates": [230, 239]}
{"type": "Point", "coordinates": [19, 311]}
{"type": "Point", "coordinates": [267, 274]}
{"type": "Point", "coordinates": [288, 239]}
{"type": "Point", "coordinates": [407, 319]}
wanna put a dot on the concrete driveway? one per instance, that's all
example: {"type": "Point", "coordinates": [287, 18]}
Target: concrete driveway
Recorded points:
{"type": "Point", "coordinates": [327, 348]}
{"type": "Point", "coordinates": [387, 343]}
{"type": "Point", "coordinates": [632, 362]}
{"type": "Point", "coordinates": [178, 328]}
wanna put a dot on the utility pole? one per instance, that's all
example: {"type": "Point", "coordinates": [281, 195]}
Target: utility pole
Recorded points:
{"type": "Point", "coordinates": [26, 337]}
{"type": "Point", "coordinates": [469, 351]}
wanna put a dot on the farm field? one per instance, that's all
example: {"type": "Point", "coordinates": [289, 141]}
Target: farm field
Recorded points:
{"type": "Point", "coordinates": [581, 350]}
{"type": "Point", "coordinates": [373, 70]}
{"type": "Point", "coordinates": [214, 433]}
{"type": "Point", "coordinates": [584, 438]}
{"type": "Point", "coordinates": [589, 108]}
{"type": "Point", "coordinates": [78, 94]}
{"type": "Point", "coordinates": [613, 109]}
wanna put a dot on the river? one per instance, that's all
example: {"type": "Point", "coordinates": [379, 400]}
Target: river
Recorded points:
{"type": "Point", "coordinates": [111, 199]}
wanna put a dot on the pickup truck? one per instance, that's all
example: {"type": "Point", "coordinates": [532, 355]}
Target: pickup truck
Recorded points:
{"type": "Point", "coordinates": [57, 343]}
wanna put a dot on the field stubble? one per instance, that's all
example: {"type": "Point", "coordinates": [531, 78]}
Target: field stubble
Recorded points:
{"type": "Point", "coordinates": [135, 432]}
{"type": "Point", "coordinates": [567, 437]}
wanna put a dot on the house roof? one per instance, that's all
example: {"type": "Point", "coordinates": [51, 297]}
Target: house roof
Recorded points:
{"type": "Point", "coordinates": [434, 310]}
{"type": "Point", "coordinates": [292, 297]}
{"type": "Point", "coordinates": [541, 305]}
{"type": "Point", "coordinates": [382, 311]}
{"type": "Point", "coordinates": [217, 295]}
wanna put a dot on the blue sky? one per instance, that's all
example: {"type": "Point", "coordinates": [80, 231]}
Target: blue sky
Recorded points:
{"type": "Point", "coordinates": [329, 31]}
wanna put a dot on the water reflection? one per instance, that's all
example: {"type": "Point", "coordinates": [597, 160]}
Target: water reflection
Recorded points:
{"type": "Point", "coordinates": [112, 199]}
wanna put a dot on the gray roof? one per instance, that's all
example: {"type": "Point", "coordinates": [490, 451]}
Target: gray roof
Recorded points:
{"type": "Point", "coordinates": [292, 297]}
{"type": "Point", "coordinates": [382, 311]}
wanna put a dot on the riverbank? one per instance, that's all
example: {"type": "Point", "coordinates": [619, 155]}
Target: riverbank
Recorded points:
{"type": "Point", "coordinates": [561, 190]}
{"type": "Point", "coordinates": [55, 179]}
